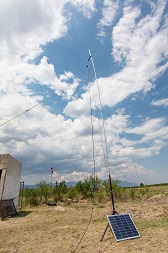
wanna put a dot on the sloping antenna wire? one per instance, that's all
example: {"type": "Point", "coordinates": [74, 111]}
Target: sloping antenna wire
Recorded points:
{"type": "Point", "coordinates": [101, 135]}
{"type": "Point", "coordinates": [101, 111]}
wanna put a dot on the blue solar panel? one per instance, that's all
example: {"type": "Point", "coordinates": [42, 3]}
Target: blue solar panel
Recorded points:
{"type": "Point", "coordinates": [123, 227]}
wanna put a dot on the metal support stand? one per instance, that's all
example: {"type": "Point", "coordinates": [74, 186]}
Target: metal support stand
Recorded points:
{"type": "Point", "coordinates": [104, 233]}
{"type": "Point", "coordinates": [113, 212]}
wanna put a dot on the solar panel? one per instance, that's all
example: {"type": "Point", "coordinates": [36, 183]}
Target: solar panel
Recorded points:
{"type": "Point", "coordinates": [123, 227]}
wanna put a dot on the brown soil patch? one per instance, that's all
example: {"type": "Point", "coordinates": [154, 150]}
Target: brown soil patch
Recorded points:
{"type": "Point", "coordinates": [58, 229]}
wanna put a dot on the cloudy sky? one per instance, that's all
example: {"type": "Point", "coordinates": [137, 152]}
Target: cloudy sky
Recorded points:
{"type": "Point", "coordinates": [45, 100]}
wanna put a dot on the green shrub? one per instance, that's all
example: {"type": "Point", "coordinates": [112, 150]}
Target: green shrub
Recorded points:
{"type": "Point", "coordinates": [31, 197]}
{"type": "Point", "coordinates": [45, 191]}
{"type": "Point", "coordinates": [132, 193]}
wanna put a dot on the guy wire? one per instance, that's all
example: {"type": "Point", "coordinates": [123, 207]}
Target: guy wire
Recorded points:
{"type": "Point", "coordinates": [76, 135]}
{"type": "Point", "coordinates": [23, 112]}
{"type": "Point", "coordinates": [101, 137]}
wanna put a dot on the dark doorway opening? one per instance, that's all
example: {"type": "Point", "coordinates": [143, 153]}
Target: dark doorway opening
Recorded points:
{"type": "Point", "coordinates": [0, 174]}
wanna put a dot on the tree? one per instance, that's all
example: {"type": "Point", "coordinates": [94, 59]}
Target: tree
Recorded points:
{"type": "Point", "coordinates": [59, 190]}
{"type": "Point", "coordinates": [89, 186]}
{"type": "Point", "coordinates": [115, 187]}
{"type": "Point", "coordinates": [94, 182]}
{"type": "Point", "coordinates": [45, 191]}
{"type": "Point", "coordinates": [31, 196]}
{"type": "Point", "coordinates": [63, 187]}
{"type": "Point", "coordinates": [141, 185]}
{"type": "Point", "coordinates": [72, 193]}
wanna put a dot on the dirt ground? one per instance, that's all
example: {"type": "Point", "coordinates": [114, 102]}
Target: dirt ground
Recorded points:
{"type": "Point", "coordinates": [59, 229]}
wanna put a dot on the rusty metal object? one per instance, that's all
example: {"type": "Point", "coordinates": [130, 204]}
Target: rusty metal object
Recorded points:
{"type": "Point", "coordinates": [7, 208]}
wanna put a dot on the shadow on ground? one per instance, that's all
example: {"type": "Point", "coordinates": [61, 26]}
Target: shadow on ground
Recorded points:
{"type": "Point", "coordinates": [21, 214]}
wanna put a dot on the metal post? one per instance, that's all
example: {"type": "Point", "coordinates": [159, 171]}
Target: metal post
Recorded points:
{"type": "Point", "coordinates": [21, 194]}
{"type": "Point", "coordinates": [112, 196]}
{"type": "Point", "coordinates": [52, 170]}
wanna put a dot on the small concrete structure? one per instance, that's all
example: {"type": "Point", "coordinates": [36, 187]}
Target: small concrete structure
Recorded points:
{"type": "Point", "coordinates": [10, 174]}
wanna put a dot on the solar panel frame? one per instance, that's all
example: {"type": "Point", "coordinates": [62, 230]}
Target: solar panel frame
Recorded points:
{"type": "Point", "coordinates": [122, 227]}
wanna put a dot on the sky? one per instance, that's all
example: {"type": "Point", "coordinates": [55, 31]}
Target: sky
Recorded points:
{"type": "Point", "coordinates": [78, 114]}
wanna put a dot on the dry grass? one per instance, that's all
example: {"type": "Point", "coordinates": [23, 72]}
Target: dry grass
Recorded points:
{"type": "Point", "coordinates": [59, 229]}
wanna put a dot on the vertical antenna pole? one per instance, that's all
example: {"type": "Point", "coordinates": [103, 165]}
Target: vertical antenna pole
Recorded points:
{"type": "Point", "coordinates": [112, 197]}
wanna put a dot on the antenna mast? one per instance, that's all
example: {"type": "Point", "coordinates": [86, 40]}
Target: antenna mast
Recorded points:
{"type": "Point", "coordinates": [104, 131]}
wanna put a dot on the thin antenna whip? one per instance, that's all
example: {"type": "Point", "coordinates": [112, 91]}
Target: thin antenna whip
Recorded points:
{"type": "Point", "coordinates": [101, 111]}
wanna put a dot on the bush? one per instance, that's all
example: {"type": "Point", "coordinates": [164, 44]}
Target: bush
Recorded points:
{"type": "Point", "coordinates": [101, 196]}
{"type": "Point", "coordinates": [115, 188]}
{"type": "Point", "coordinates": [45, 191]}
{"type": "Point", "coordinates": [88, 187]}
{"type": "Point", "coordinates": [132, 194]}
{"type": "Point", "coordinates": [60, 191]}
{"type": "Point", "coordinates": [72, 193]}
{"type": "Point", "coordinates": [31, 197]}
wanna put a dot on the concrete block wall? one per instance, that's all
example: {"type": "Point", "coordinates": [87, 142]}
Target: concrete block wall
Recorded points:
{"type": "Point", "coordinates": [10, 178]}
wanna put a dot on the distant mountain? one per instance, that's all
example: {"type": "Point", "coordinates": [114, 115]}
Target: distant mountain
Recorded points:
{"type": "Point", "coordinates": [127, 184]}
{"type": "Point", "coordinates": [71, 183]}
{"type": "Point", "coordinates": [34, 186]}
{"type": "Point", "coordinates": [122, 184]}
{"type": "Point", "coordinates": [31, 186]}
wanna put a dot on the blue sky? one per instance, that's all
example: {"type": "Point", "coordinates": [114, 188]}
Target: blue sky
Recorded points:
{"type": "Point", "coordinates": [44, 51]}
